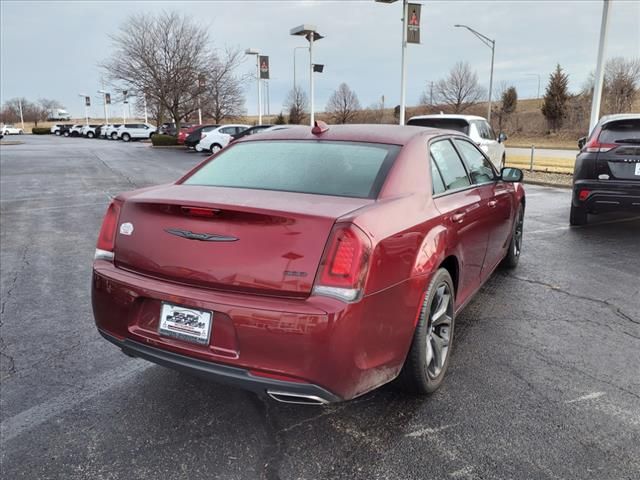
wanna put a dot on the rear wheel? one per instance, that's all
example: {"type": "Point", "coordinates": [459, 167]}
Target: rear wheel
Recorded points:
{"type": "Point", "coordinates": [90, 135]}
{"type": "Point", "coordinates": [114, 135]}
{"type": "Point", "coordinates": [66, 134]}
{"type": "Point", "coordinates": [215, 148]}
{"type": "Point", "coordinates": [57, 133]}
{"type": "Point", "coordinates": [126, 137]}
{"type": "Point", "coordinates": [515, 246]}
{"type": "Point", "coordinates": [578, 216]}
{"type": "Point", "coordinates": [427, 361]}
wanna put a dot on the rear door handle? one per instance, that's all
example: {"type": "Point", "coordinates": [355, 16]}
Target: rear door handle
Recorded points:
{"type": "Point", "coordinates": [492, 203]}
{"type": "Point", "coordinates": [458, 217]}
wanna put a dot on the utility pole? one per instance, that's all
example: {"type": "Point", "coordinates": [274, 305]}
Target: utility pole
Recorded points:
{"type": "Point", "coordinates": [431, 93]}
{"type": "Point", "coordinates": [21, 116]}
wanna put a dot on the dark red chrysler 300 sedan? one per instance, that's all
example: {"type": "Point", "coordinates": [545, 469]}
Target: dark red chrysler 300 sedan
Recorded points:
{"type": "Point", "coordinates": [313, 265]}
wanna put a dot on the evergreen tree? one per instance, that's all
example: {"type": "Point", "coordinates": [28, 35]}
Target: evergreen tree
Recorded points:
{"type": "Point", "coordinates": [556, 96]}
{"type": "Point", "coordinates": [280, 120]}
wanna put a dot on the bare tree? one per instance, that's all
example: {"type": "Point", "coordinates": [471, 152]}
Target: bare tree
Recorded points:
{"type": "Point", "coordinates": [297, 104]}
{"type": "Point", "coordinates": [621, 85]}
{"type": "Point", "coordinates": [343, 105]}
{"type": "Point", "coordinates": [460, 89]}
{"type": "Point", "coordinates": [223, 95]}
{"type": "Point", "coordinates": [163, 55]}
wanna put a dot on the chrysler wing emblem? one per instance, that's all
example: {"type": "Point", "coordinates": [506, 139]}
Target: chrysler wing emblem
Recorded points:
{"type": "Point", "coordinates": [203, 237]}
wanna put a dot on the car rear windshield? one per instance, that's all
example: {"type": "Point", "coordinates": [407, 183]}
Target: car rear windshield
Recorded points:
{"type": "Point", "coordinates": [457, 124]}
{"type": "Point", "coordinates": [345, 169]}
{"type": "Point", "coordinates": [621, 131]}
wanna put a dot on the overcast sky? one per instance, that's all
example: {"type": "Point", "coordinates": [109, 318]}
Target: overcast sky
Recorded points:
{"type": "Point", "coordinates": [51, 48]}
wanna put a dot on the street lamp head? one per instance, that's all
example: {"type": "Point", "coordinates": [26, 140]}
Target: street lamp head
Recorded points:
{"type": "Point", "coordinates": [306, 31]}
{"type": "Point", "coordinates": [252, 51]}
{"type": "Point", "coordinates": [458, 25]}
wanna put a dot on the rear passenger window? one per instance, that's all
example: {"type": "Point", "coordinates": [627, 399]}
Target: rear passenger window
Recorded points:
{"type": "Point", "coordinates": [480, 168]}
{"type": "Point", "coordinates": [436, 179]}
{"type": "Point", "coordinates": [449, 164]}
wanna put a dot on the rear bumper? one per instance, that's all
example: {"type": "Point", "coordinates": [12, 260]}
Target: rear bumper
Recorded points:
{"type": "Point", "coordinates": [315, 344]}
{"type": "Point", "coordinates": [607, 195]}
{"type": "Point", "coordinates": [237, 377]}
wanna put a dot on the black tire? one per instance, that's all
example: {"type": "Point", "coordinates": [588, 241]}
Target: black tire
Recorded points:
{"type": "Point", "coordinates": [578, 216]}
{"type": "Point", "coordinates": [90, 135]}
{"type": "Point", "coordinates": [126, 137]}
{"type": "Point", "coordinates": [57, 133]}
{"type": "Point", "coordinates": [66, 134]}
{"type": "Point", "coordinates": [114, 135]}
{"type": "Point", "coordinates": [215, 148]}
{"type": "Point", "coordinates": [515, 245]}
{"type": "Point", "coordinates": [419, 374]}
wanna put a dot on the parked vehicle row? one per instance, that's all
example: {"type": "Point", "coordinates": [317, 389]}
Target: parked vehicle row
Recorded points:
{"type": "Point", "coordinates": [112, 131]}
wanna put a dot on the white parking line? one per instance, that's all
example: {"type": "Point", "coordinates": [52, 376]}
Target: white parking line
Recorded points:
{"type": "Point", "coordinates": [28, 419]}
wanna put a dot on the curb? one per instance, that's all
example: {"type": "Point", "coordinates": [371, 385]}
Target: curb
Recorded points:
{"type": "Point", "coordinates": [167, 146]}
{"type": "Point", "coordinates": [547, 184]}
{"type": "Point", "coordinates": [12, 142]}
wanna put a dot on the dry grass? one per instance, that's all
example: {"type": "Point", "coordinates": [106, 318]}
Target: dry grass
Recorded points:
{"type": "Point", "coordinates": [541, 164]}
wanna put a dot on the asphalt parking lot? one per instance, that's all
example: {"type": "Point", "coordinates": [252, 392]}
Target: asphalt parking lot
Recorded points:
{"type": "Point", "coordinates": [544, 382]}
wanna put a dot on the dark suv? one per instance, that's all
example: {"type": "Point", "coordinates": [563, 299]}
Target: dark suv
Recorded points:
{"type": "Point", "coordinates": [607, 172]}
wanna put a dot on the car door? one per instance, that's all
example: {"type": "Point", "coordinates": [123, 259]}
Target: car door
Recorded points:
{"type": "Point", "coordinates": [497, 200]}
{"type": "Point", "coordinates": [461, 207]}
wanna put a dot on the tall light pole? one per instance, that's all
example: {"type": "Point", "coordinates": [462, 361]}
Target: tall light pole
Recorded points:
{"type": "Point", "coordinates": [535, 75]}
{"type": "Point", "coordinates": [492, 45]}
{"type": "Point", "coordinates": [104, 102]}
{"type": "Point", "coordinates": [294, 64]}
{"type": "Point", "coordinates": [86, 107]}
{"type": "Point", "coordinates": [599, 80]}
{"type": "Point", "coordinates": [253, 51]}
{"type": "Point", "coordinates": [403, 61]}
{"type": "Point", "coordinates": [310, 33]}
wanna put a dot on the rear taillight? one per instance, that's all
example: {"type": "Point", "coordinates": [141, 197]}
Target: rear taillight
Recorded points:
{"type": "Point", "coordinates": [344, 265]}
{"type": "Point", "coordinates": [107, 236]}
{"type": "Point", "coordinates": [583, 195]}
{"type": "Point", "coordinates": [594, 145]}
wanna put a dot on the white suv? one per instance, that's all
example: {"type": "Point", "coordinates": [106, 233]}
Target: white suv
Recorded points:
{"type": "Point", "coordinates": [218, 138]}
{"type": "Point", "coordinates": [110, 131]}
{"type": "Point", "coordinates": [477, 128]}
{"type": "Point", "coordinates": [131, 131]}
{"type": "Point", "coordinates": [10, 130]}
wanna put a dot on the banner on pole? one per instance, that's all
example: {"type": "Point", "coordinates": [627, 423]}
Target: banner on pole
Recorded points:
{"type": "Point", "coordinates": [264, 67]}
{"type": "Point", "coordinates": [87, 101]}
{"type": "Point", "coordinates": [107, 98]}
{"type": "Point", "coordinates": [413, 23]}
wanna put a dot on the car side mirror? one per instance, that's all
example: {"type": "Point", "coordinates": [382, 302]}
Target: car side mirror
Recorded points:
{"type": "Point", "coordinates": [502, 137]}
{"type": "Point", "coordinates": [512, 175]}
{"type": "Point", "coordinates": [581, 142]}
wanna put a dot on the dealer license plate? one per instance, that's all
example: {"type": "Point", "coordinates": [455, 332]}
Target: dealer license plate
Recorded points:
{"type": "Point", "coordinates": [186, 324]}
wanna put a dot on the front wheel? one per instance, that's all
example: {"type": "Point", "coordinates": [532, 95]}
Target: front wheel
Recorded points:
{"type": "Point", "coordinates": [66, 134]}
{"type": "Point", "coordinates": [515, 246]}
{"type": "Point", "coordinates": [58, 133]}
{"type": "Point", "coordinates": [427, 361]}
{"type": "Point", "coordinates": [90, 135]}
{"type": "Point", "coordinates": [215, 148]}
{"type": "Point", "coordinates": [114, 136]}
{"type": "Point", "coordinates": [577, 216]}
{"type": "Point", "coordinates": [126, 137]}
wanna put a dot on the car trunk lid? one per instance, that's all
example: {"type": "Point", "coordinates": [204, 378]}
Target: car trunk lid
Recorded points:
{"type": "Point", "coordinates": [229, 238]}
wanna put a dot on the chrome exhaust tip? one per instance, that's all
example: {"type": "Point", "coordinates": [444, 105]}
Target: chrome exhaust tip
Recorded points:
{"type": "Point", "coordinates": [297, 398]}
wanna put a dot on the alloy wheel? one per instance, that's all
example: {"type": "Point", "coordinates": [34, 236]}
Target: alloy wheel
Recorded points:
{"type": "Point", "coordinates": [439, 330]}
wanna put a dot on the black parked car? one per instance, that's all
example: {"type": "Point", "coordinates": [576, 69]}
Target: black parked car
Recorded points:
{"type": "Point", "coordinates": [249, 131]}
{"type": "Point", "coordinates": [194, 137]}
{"type": "Point", "coordinates": [607, 172]}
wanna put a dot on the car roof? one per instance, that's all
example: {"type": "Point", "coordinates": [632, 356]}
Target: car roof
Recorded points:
{"type": "Point", "coordinates": [452, 116]}
{"type": "Point", "coordinates": [388, 134]}
{"type": "Point", "coordinates": [619, 116]}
